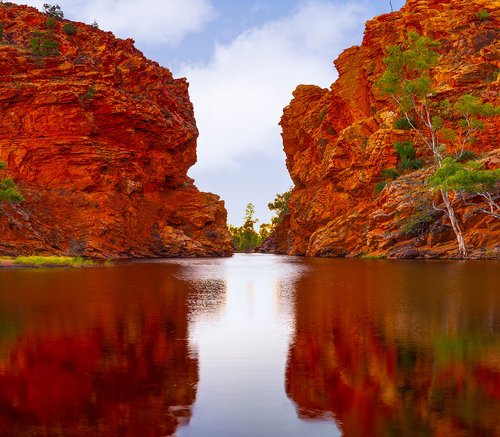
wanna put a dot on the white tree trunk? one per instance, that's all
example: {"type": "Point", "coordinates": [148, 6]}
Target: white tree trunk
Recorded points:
{"type": "Point", "coordinates": [462, 248]}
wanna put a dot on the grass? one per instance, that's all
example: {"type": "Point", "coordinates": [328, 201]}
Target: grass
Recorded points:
{"type": "Point", "coordinates": [372, 256]}
{"type": "Point", "coordinates": [44, 261]}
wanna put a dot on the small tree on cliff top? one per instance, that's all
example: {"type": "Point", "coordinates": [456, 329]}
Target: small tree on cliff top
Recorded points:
{"type": "Point", "coordinates": [54, 11]}
{"type": "Point", "coordinates": [407, 79]}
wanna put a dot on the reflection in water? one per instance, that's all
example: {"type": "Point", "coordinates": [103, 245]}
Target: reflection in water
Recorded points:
{"type": "Point", "coordinates": [254, 345]}
{"type": "Point", "coordinates": [94, 352]}
{"type": "Point", "coordinates": [398, 348]}
{"type": "Point", "coordinates": [242, 348]}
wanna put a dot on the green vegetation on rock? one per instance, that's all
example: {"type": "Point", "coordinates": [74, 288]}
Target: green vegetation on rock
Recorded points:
{"type": "Point", "coordinates": [446, 129]}
{"type": "Point", "coordinates": [9, 192]}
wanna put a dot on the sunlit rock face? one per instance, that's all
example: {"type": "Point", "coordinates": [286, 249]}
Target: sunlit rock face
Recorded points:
{"type": "Point", "coordinates": [337, 142]}
{"type": "Point", "coordinates": [99, 140]}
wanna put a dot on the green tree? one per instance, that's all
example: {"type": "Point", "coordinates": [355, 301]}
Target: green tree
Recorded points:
{"type": "Point", "coordinates": [244, 237]}
{"type": "Point", "coordinates": [408, 80]}
{"type": "Point", "coordinates": [280, 207]}
{"type": "Point", "coordinates": [9, 192]}
{"type": "Point", "coordinates": [44, 44]}
{"type": "Point", "coordinates": [53, 11]}
{"type": "Point", "coordinates": [469, 178]}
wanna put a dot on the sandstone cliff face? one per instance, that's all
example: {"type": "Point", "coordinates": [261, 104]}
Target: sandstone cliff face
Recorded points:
{"type": "Point", "coordinates": [99, 139]}
{"type": "Point", "coordinates": [338, 141]}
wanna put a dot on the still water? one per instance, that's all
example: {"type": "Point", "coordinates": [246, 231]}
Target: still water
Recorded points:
{"type": "Point", "coordinates": [254, 345]}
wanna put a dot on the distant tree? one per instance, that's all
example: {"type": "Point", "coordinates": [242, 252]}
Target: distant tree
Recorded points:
{"type": "Point", "coordinates": [279, 206]}
{"type": "Point", "coordinates": [408, 80]}
{"type": "Point", "coordinates": [244, 237]}
{"type": "Point", "coordinates": [390, 4]}
{"type": "Point", "coordinates": [95, 25]}
{"type": "Point", "coordinates": [9, 192]}
{"type": "Point", "coordinates": [53, 11]}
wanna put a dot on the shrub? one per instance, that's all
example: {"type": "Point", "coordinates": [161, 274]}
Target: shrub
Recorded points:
{"type": "Point", "coordinates": [419, 222]}
{"type": "Point", "coordinates": [390, 173]}
{"type": "Point", "coordinates": [464, 156]}
{"type": "Point", "coordinates": [410, 164]}
{"type": "Point", "coordinates": [89, 94]}
{"type": "Point", "coordinates": [483, 15]}
{"type": "Point", "coordinates": [407, 156]}
{"type": "Point", "coordinates": [53, 11]}
{"type": "Point", "coordinates": [1, 31]}
{"type": "Point", "coordinates": [95, 25]}
{"type": "Point", "coordinates": [44, 44]}
{"type": "Point", "coordinates": [379, 186]}
{"type": "Point", "coordinates": [403, 123]}
{"type": "Point", "coordinates": [69, 29]}
{"type": "Point", "coordinates": [9, 192]}
{"type": "Point", "coordinates": [50, 23]}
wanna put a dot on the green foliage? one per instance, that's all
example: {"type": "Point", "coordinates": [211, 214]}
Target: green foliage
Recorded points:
{"type": "Point", "coordinates": [89, 94]}
{"type": "Point", "coordinates": [403, 123]}
{"type": "Point", "coordinates": [52, 261]}
{"type": "Point", "coordinates": [465, 155]}
{"type": "Point", "coordinates": [407, 69]}
{"type": "Point", "coordinates": [483, 15]}
{"type": "Point", "coordinates": [467, 177]}
{"type": "Point", "coordinates": [9, 192]}
{"type": "Point", "coordinates": [322, 113]}
{"type": "Point", "coordinates": [53, 11]}
{"type": "Point", "coordinates": [50, 23]}
{"type": "Point", "coordinates": [280, 206]}
{"type": "Point", "coordinates": [474, 106]}
{"type": "Point", "coordinates": [407, 156]}
{"type": "Point", "coordinates": [379, 186]}
{"type": "Point", "coordinates": [1, 32]}
{"type": "Point", "coordinates": [245, 239]}
{"type": "Point", "coordinates": [390, 173]}
{"type": "Point", "coordinates": [69, 29]}
{"type": "Point", "coordinates": [418, 222]}
{"type": "Point", "coordinates": [44, 44]}
{"type": "Point", "coordinates": [95, 25]}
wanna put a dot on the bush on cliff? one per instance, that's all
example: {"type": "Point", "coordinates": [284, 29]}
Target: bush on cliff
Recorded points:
{"type": "Point", "coordinates": [69, 29]}
{"type": "Point", "coordinates": [9, 192]}
{"type": "Point", "coordinates": [44, 44]}
{"type": "Point", "coordinates": [280, 206]}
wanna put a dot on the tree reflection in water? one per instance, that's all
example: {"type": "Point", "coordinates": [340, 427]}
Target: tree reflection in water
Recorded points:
{"type": "Point", "coordinates": [397, 348]}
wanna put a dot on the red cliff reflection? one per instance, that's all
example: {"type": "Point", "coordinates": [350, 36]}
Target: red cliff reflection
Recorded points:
{"type": "Point", "coordinates": [393, 352]}
{"type": "Point", "coordinates": [96, 355]}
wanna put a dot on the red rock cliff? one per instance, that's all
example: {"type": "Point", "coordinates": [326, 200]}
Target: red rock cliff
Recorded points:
{"type": "Point", "coordinates": [99, 139]}
{"type": "Point", "coordinates": [338, 141]}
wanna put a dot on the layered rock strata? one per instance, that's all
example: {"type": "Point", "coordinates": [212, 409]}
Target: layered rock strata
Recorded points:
{"type": "Point", "coordinates": [99, 140]}
{"type": "Point", "coordinates": [338, 141]}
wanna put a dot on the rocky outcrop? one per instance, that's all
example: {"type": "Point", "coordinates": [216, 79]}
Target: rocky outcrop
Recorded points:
{"type": "Point", "coordinates": [337, 142]}
{"type": "Point", "coordinates": [99, 140]}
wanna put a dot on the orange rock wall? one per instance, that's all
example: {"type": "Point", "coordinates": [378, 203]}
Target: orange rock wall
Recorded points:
{"type": "Point", "coordinates": [338, 141]}
{"type": "Point", "coordinates": [99, 139]}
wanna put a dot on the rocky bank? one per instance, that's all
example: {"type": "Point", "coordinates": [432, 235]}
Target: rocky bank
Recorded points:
{"type": "Point", "coordinates": [99, 140]}
{"type": "Point", "coordinates": [337, 142]}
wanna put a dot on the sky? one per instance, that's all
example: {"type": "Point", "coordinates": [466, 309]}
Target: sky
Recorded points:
{"type": "Point", "coordinates": [243, 59]}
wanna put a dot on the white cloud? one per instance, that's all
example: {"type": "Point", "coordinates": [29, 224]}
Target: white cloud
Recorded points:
{"type": "Point", "coordinates": [147, 21]}
{"type": "Point", "coordinates": [240, 93]}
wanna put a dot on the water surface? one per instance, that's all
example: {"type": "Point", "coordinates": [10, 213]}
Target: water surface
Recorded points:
{"type": "Point", "coordinates": [254, 345]}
